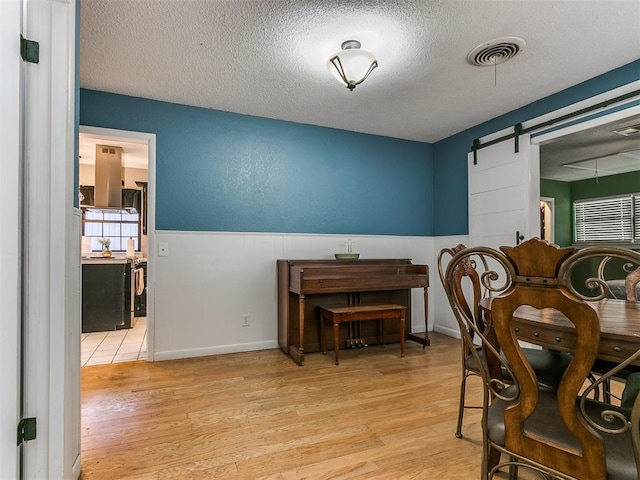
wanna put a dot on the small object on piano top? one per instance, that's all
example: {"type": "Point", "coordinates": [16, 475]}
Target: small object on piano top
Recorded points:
{"type": "Point", "coordinates": [347, 256]}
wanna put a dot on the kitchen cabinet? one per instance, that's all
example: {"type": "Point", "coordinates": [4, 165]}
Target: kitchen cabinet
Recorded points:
{"type": "Point", "coordinates": [131, 198]}
{"type": "Point", "coordinates": [86, 194]}
{"type": "Point", "coordinates": [106, 295]}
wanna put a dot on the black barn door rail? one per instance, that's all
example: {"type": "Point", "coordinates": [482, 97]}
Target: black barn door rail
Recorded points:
{"type": "Point", "coordinates": [518, 130]}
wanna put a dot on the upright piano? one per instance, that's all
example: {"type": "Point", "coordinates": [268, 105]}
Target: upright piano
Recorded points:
{"type": "Point", "coordinates": [305, 284]}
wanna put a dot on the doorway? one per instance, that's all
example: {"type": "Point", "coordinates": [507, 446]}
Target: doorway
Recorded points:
{"type": "Point", "coordinates": [131, 339]}
{"type": "Point", "coordinates": [547, 218]}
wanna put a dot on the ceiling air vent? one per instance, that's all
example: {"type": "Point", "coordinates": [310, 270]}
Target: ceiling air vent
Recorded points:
{"type": "Point", "coordinates": [630, 130]}
{"type": "Point", "coordinates": [496, 51]}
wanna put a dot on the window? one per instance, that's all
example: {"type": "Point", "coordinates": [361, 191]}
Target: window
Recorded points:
{"type": "Point", "coordinates": [609, 219]}
{"type": "Point", "coordinates": [118, 226]}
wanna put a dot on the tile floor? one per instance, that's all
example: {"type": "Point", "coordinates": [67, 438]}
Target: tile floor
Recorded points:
{"type": "Point", "coordinates": [98, 348]}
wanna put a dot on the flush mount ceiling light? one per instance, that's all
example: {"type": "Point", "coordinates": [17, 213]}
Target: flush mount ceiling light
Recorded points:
{"type": "Point", "coordinates": [352, 66]}
{"type": "Point", "coordinates": [496, 51]}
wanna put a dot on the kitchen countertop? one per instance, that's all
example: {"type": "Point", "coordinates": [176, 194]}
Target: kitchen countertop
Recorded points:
{"type": "Point", "coordinates": [103, 260]}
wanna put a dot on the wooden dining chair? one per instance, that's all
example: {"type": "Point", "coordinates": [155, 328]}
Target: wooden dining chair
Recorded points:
{"type": "Point", "coordinates": [465, 289]}
{"type": "Point", "coordinates": [619, 280]}
{"type": "Point", "coordinates": [622, 282]}
{"type": "Point", "coordinates": [560, 433]}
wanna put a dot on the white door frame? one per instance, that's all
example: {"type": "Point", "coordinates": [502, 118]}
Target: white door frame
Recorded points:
{"type": "Point", "coordinates": [10, 121]}
{"type": "Point", "coordinates": [51, 251]}
{"type": "Point", "coordinates": [150, 140]}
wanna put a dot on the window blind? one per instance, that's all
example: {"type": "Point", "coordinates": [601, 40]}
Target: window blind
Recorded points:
{"type": "Point", "coordinates": [611, 219]}
{"type": "Point", "coordinates": [636, 216]}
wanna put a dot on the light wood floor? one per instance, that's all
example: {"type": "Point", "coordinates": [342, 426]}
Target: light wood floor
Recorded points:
{"type": "Point", "coordinates": [258, 415]}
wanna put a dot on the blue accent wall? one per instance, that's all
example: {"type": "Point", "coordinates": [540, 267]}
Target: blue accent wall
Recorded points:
{"type": "Point", "coordinates": [220, 171]}
{"type": "Point", "coordinates": [450, 155]}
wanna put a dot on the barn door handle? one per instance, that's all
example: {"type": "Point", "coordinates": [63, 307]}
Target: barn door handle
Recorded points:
{"type": "Point", "coordinates": [519, 238]}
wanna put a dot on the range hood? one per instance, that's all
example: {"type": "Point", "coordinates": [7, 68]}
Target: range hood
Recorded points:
{"type": "Point", "coordinates": [109, 195]}
{"type": "Point", "coordinates": [108, 178]}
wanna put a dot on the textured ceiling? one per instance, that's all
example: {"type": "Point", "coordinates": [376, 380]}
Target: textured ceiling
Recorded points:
{"type": "Point", "coordinates": [268, 58]}
{"type": "Point", "coordinates": [135, 152]}
{"type": "Point", "coordinates": [594, 152]}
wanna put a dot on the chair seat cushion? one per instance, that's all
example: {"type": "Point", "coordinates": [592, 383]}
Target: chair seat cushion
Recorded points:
{"type": "Point", "coordinates": [631, 390]}
{"type": "Point", "coordinates": [618, 289]}
{"type": "Point", "coordinates": [545, 422]}
{"type": "Point", "coordinates": [549, 365]}
{"type": "Point", "coordinates": [603, 366]}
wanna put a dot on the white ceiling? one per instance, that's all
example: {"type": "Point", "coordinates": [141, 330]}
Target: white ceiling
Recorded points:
{"type": "Point", "coordinates": [268, 57]}
{"type": "Point", "coordinates": [592, 153]}
{"type": "Point", "coordinates": [135, 154]}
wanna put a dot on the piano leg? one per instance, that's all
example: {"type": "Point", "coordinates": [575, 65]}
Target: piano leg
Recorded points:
{"type": "Point", "coordinates": [297, 352]}
{"type": "Point", "coordinates": [427, 340]}
{"type": "Point", "coordinates": [323, 335]}
{"type": "Point", "coordinates": [336, 338]}
{"type": "Point", "coordinates": [402, 330]}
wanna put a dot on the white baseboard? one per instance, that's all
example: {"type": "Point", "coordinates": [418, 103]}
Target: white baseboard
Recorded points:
{"type": "Point", "coordinates": [451, 332]}
{"type": "Point", "coordinates": [217, 350]}
{"type": "Point", "coordinates": [76, 468]}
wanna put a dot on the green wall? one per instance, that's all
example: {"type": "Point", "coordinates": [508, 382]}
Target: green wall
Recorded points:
{"type": "Point", "coordinates": [606, 186]}
{"type": "Point", "coordinates": [565, 193]}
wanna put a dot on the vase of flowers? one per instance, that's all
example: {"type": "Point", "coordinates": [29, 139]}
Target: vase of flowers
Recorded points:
{"type": "Point", "coordinates": [106, 243]}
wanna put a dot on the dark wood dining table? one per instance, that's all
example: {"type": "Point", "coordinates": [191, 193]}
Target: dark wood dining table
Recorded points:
{"type": "Point", "coordinates": [619, 328]}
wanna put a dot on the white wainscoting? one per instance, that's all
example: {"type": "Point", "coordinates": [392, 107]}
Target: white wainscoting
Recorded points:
{"type": "Point", "coordinates": [209, 281]}
{"type": "Point", "coordinates": [444, 321]}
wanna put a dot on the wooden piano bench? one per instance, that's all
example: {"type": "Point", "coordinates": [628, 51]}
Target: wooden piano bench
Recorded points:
{"type": "Point", "coordinates": [339, 314]}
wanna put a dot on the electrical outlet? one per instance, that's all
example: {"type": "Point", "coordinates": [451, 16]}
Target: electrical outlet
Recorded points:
{"type": "Point", "coordinates": [245, 320]}
{"type": "Point", "coordinates": [163, 249]}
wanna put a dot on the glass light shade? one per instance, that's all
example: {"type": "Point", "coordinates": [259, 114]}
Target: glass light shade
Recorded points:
{"type": "Point", "coordinates": [356, 64]}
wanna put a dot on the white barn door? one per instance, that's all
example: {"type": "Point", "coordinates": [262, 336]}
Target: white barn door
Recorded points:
{"type": "Point", "coordinates": [504, 186]}
{"type": "Point", "coordinates": [504, 193]}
